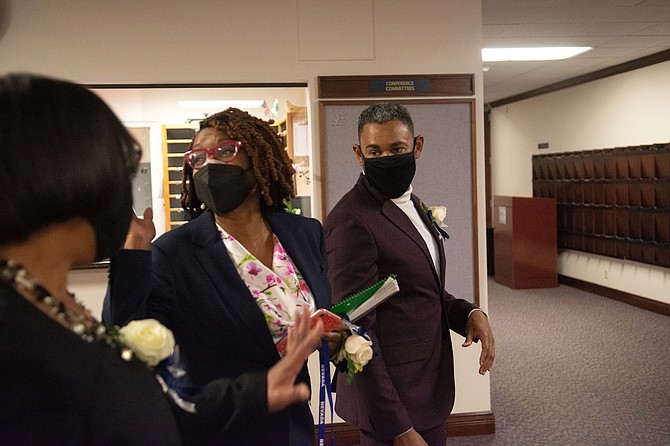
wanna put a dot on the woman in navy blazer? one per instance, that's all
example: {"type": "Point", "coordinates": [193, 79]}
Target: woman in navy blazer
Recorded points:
{"type": "Point", "coordinates": [199, 279]}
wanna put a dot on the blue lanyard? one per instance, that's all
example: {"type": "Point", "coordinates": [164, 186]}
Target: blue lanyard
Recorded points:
{"type": "Point", "coordinates": [324, 388]}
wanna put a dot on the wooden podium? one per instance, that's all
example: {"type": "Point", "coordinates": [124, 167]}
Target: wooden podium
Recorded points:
{"type": "Point", "coordinates": [525, 244]}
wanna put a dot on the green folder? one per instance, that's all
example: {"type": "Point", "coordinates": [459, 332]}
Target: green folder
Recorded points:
{"type": "Point", "coordinates": [357, 305]}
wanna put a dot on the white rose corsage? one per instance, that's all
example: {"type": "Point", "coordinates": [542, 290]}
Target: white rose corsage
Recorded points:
{"type": "Point", "coordinates": [147, 339]}
{"type": "Point", "coordinates": [356, 351]}
{"type": "Point", "coordinates": [437, 214]}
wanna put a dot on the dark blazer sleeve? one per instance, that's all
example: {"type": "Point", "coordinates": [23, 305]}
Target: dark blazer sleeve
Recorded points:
{"type": "Point", "coordinates": [221, 406]}
{"type": "Point", "coordinates": [128, 287]}
{"type": "Point", "coordinates": [133, 399]}
{"type": "Point", "coordinates": [140, 286]}
{"type": "Point", "coordinates": [457, 311]}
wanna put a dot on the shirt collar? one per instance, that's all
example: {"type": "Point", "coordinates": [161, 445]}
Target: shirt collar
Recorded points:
{"type": "Point", "coordinates": [404, 198]}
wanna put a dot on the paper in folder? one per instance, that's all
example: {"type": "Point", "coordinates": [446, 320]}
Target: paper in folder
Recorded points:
{"type": "Point", "coordinates": [355, 306]}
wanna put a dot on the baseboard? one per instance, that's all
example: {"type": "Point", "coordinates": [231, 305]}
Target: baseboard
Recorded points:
{"type": "Point", "coordinates": [457, 425]}
{"type": "Point", "coordinates": [621, 296]}
{"type": "Point", "coordinates": [470, 423]}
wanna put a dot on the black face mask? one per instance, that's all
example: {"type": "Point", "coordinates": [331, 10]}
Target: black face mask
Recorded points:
{"type": "Point", "coordinates": [112, 223]}
{"type": "Point", "coordinates": [390, 175]}
{"type": "Point", "coordinates": [222, 187]}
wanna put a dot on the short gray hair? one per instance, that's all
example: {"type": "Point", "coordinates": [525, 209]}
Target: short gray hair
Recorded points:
{"type": "Point", "coordinates": [383, 112]}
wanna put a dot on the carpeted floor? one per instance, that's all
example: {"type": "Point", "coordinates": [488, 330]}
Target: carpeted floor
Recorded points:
{"type": "Point", "coordinates": [574, 368]}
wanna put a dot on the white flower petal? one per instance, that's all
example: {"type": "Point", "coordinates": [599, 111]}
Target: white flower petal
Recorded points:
{"type": "Point", "coordinates": [150, 340]}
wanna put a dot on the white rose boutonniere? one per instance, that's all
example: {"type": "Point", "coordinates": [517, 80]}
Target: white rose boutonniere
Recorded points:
{"type": "Point", "coordinates": [357, 351]}
{"type": "Point", "coordinates": [436, 214]}
{"type": "Point", "coordinates": [439, 213]}
{"type": "Point", "coordinates": [148, 339]}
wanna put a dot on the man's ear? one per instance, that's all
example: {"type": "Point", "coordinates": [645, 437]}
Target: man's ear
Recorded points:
{"type": "Point", "coordinates": [418, 146]}
{"type": "Point", "coordinates": [359, 154]}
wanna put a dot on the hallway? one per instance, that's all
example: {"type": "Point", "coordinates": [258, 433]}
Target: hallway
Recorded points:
{"type": "Point", "coordinates": [574, 368]}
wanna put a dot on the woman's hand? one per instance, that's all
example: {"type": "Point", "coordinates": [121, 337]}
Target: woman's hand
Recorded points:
{"type": "Point", "coordinates": [302, 341]}
{"type": "Point", "coordinates": [141, 232]}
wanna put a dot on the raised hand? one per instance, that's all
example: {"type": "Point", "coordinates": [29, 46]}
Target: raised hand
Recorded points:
{"type": "Point", "coordinates": [302, 341]}
{"type": "Point", "coordinates": [141, 232]}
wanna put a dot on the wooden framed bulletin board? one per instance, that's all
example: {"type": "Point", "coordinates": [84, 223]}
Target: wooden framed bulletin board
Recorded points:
{"type": "Point", "coordinates": [445, 175]}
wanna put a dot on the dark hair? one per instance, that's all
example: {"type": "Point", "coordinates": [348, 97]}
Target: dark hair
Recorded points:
{"type": "Point", "coordinates": [63, 154]}
{"type": "Point", "coordinates": [271, 165]}
{"type": "Point", "coordinates": [383, 112]}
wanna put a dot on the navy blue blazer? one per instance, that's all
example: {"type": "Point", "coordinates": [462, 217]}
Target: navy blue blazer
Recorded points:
{"type": "Point", "coordinates": [191, 285]}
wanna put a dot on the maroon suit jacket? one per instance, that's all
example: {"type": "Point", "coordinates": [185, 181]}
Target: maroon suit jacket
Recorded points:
{"type": "Point", "coordinates": [410, 380]}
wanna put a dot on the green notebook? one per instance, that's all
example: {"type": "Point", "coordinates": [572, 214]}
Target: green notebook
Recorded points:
{"type": "Point", "coordinates": [362, 302]}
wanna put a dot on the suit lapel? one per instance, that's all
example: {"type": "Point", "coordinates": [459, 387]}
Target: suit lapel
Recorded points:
{"type": "Point", "coordinates": [402, 222]}
{"type": "Point", "coordinates": [435, 235]}
{"type": "Point", "coordinates": [233, 295]}
{"type": "Point", "coordinates": [396, 216]}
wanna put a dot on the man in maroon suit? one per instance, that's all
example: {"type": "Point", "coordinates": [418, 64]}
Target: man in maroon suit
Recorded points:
{"type": "Point", "coordinates": [405, 393]}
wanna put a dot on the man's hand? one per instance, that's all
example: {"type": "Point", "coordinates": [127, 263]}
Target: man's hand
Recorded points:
{"type": "Point", "coordinates": [302, 341]}
{"type": "Point", "coordinates": [477, 327]}
{"type": "Point", "coordinates": [142, 231]}
{"type": "Point", "coordinates": [409, 438]}
{"type": "Point", "coordinates": [334, 338]}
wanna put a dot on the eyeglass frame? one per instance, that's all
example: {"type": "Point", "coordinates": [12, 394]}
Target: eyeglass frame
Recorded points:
{"type": "Point", "coordinates": [209, 152]}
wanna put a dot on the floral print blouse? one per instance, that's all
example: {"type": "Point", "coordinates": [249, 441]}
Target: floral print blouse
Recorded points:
{"type": "Point", "coordinates": [279, 291]}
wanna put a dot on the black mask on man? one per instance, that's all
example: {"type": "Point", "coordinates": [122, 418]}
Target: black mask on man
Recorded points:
{"type": "Point", "coordinates": [390, 175]}
{"type": "Point", "coordinates": [222, 187]}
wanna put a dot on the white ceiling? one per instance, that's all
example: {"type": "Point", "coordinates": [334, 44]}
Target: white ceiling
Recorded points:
{"type": "Point", "coordinates": [618, 30]}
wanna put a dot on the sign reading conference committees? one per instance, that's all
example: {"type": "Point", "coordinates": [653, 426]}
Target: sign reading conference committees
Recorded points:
{"type": "Point", "coordinates": [399, 86]}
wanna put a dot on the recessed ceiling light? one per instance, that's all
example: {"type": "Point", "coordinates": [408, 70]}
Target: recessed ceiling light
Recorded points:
{"type": "Point", "coordinates": [222, 104]}
{"type": "Point", "coordinates": [537, 53]}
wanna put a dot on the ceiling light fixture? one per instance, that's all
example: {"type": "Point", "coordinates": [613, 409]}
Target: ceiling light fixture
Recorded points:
{"type": "Point", "coordinates": [526, 54]}
{"type": "Point", "coordinates": [222, 104]}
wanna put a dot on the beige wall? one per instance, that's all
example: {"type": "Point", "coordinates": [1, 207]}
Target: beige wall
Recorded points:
{"type": "Point", "coordinates": [626, 109]}
{"type": "Point", "coordinates": [169, 41]}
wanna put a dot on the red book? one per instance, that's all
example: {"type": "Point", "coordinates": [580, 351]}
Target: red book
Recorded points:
{"type": "Point", "coordinates": [330, 322]}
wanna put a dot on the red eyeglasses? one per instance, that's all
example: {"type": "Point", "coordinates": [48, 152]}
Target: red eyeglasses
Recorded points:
{"type": "Point", "coordinates": [224, 152]}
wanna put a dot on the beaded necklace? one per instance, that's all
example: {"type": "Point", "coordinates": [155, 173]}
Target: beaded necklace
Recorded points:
{"type": "Point", "coordinates": [83, 325]}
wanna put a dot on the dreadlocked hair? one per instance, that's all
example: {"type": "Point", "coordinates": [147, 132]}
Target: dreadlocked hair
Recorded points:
{"type": "Point", "coordinates": [272, 168]}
